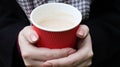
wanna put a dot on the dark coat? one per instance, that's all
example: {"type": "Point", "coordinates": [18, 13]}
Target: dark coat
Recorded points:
{"type": "Point", "coordinates": [104, 24]}
{"type": "Point", "coordinates": [12, 20]}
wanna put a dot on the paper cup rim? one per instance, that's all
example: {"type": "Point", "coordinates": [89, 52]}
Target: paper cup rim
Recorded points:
{"type": "Point", "coordinates": [52, 30]}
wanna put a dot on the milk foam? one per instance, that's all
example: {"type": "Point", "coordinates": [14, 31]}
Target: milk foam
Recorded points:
{"type": "Point", "coordinates": [57, 21]}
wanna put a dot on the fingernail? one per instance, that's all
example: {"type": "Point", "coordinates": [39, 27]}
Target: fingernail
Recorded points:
{"type": "Point", "coordinates": [81, 33]}
{"type": "Point", "coordinates": [34, 38]}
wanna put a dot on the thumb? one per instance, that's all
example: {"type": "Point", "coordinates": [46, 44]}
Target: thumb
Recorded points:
{"type": "Point", "coordinates": [82, 32]}
{"type": "Point", "coordinates": [30, 35]}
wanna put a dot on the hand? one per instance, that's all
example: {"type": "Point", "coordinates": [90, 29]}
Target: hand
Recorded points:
{"type": "Point", "coordinates": [34, 56]}
{"type": "Point", "coordinates": [81, 58]}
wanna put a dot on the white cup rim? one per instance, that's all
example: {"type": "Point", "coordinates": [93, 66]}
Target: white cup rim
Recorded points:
{"type": "Point", "coordinates": [46, 29]}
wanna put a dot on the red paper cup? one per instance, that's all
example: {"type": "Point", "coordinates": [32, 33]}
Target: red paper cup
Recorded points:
{"type": "Point", "coordinates": [53, 37]}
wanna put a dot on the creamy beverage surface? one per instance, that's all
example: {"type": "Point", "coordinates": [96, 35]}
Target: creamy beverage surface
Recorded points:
{"type": "Point", "coordinates": [57, 21]}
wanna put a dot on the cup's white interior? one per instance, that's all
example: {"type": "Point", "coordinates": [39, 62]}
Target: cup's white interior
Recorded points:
{"type": "Point", "coordinates": [48, 9]}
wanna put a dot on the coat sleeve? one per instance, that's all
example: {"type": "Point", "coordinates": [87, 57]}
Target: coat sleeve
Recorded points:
{"type": "Point", "coordinates": [104, 24]}
{"type": "Point", "coordinates": [12, 20]}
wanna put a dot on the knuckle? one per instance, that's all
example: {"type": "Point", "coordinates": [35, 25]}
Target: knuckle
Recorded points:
{"type": "Point", "coordinates": [89, 61]}
{"type": "Point", "coordinates": [89, 64]}
{"type": "Point", "coordinates": [21, 33]}
{"type": "Point", "coordinates": [26, 55]}
{"type": "Point", "coordinates": [90, 54]}
{"type": "Point", "coordinates": [27, 63]}
{"type": "Point", "coordinates": [86, 27]}
{"type": "Point", "coordinates": [27, 27]}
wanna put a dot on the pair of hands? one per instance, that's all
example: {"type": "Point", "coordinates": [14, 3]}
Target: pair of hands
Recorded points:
{"type": "Point", "coordinates": [44, 57]}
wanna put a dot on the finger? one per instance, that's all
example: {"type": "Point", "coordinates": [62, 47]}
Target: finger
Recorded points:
{"type": "Point", "coordinates": [82, 31]}
{"type": "Point", "coordinates": [33, 63]}
{"type": "Point", "coordinates": [30, 34]}
{"type": "Point", "coordinates": [48, 54]}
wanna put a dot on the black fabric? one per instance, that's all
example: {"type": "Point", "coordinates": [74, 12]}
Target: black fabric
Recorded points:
{"type": "Point", "coordinates": [12, 20]}
{"type": "Point", "coordinates": [17, 60]}
{"type": "Point", "coordinates": [104, 24]}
